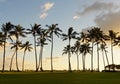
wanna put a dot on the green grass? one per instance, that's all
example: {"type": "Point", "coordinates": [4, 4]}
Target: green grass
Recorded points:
{"type": "Point", "coordinates": [60, 78]}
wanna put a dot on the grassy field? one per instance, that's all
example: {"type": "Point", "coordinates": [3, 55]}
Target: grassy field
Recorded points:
{"type": "Point", "coordinates": [60, 78]}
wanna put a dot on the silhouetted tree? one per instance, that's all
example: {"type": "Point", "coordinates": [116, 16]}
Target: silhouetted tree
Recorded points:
{"type": "Point", "coordinates": [34, 31]}
{"type": "Point", "coordinates": [26, 46]}
{"type": "Point", "coordinates": [53, 29]}
{"type": "Point", "coordinates": [70, 35]}
{"type": "Point", "coordinates": [6, 28]}
{"type": "Point", "coordinates": [84, 49]}
{"type": "Point", "coordinates": [17, 32]}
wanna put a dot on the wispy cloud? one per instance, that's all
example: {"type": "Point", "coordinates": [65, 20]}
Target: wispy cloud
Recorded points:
{"type": "Point", "coordinates": [109, 21]}
{"type": "Point", "coordinates": [45, 8]}
{"type": "Point", "coordinates": [96, 7]}
{"type": "Point", "coordinates": [43, 15]}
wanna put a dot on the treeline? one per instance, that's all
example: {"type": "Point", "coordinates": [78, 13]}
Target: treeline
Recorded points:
{"type": "Point", "coordinates": [84, 44]}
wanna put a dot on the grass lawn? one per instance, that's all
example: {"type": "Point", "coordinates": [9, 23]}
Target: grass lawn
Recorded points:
{"type": "Point", "coordinates": [60, 78]}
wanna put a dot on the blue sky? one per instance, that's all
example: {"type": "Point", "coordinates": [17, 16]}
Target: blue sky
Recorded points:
{"type": "Point", "coordinates": [79, 14]}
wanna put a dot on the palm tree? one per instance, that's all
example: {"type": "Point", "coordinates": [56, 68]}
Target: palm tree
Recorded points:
{"type": "Point", "coordinates": [16, 45]}
{"type": "Point", "coordinates": [84, 49]}
{"type": "Point", "coordinates": [34, 31]}
{"type": "Point", "coordinates": [103, 49]}
{"type": "Point", "coordinates": [26, 46]}
{"type": "Point", "coordinates": [75, 49]}
{"type": "Point", "coordinates": [99, 37]}
{"type": "Point", "coordinates": [70, 35]}
{"type": "Point", "coordinates": [112, 36]}
{"type": "Point", "coordinates": [17, 32]}
{"type": "Point", "coordinates": [91, 37]}
{"type": "Point", "coordinates": [53, 29]}
{"type": "Point", "coordinates": [6, 28]}
{"type": "Point", "coordinates": [42, 41]}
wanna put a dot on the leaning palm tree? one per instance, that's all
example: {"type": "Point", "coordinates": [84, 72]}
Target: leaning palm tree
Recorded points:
{"type": "Point", "coordinates": [84, 49]}
{"type": "Point", "coordinates": [53, 29]}
{"type": "Point", "coordinates": [34, 31]}
{"type": "Point", "coordinates": [103, 49]}
{"type": "Point", "coordinates": [26, 46]}
{"type": "Point", "coordinates": [16, 46]}
{"type": "Point", "coordinates": [70, 35]}
{"type": "Point", "coordinates": [112, 36]}
{"type": "Point", "coordinates": [6, 28]}
{"type": "Point", "coordinates": [17, 32]}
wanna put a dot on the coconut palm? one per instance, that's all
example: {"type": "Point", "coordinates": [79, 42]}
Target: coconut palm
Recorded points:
{"type": "Point", "coordinates": [26, 46]}
{"type": "Point", "coordinates": [6, 28]}
{"type": "Point", "coordinates": [103, 49]}
{"type": "Point", "coordinates": [42, 41]}
{"type": "Point", "coordinates": [75, 49]}
{"type": "Point", "coordinates": [53, 29]}
{"type": "Point", "coordinates": [17, 32]}
{"type": "Point", "coordinates": [16, 46]}
{"type": "Point", "coordinates": [113, 36]}
{"type": "Point", "coordinates": [91, 37]}
{"type": "Point", "coordinates": [84, 49]}
{"type": "Point", "coordinates": [70, 35]}
{"type": "Point", "coordinates": [34, 31]}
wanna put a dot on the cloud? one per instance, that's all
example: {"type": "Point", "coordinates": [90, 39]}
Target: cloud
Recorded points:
{"type": "Point", "coordinates": [76, 17]}
{"type": "Point", "coordinates": [109, 21]}
{"type": "Point", "coordinates": [43, 15]}
{"type": "Point", "coordinates": [47, 6]}
{"type": "Point", "coordinates": [97, 7]}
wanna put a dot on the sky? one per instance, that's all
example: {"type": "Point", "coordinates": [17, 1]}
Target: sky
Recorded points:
{"type": "Point", "coordinates": [79, 14]}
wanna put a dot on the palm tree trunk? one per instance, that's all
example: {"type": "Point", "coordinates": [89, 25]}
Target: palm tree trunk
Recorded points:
{"type": "Point", "coordinates": [83, 62]}
{"type": "Point", "coordinates": [77, 61]}
{"type": "Point", "coordinates": [98, 57]}
{"type": "Point", "coordinates": [35, 53]}
{"type": "Point", "coordinates": [39, 58]}
{"type": "Point", "coordinates": [107, 58]}
{"type": "Point", "coordinates": [103, 59]}
{"type": "Point", "coordinates": [52, 53]}
{"type": "Point", "coordinates": [12, 60]}
{"type": "Point", "coordinates": [41, 68]}
{"type": "Point", "coordinates": [4, 56]}
{"type": "Point", "coordinates": [112, 54]}
{"type": "Point", "coordinates": [92, 58]}
{"type": "Point", "coordinates": [23, 61]}
{"type": "Point", "coordinates": [17, 61]}
{"type": "Point", "coordinates": [69, 55]}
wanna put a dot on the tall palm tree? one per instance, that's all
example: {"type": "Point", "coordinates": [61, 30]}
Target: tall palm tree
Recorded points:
{"type": "Point", "coordinates": [17, 32]}
{"type": "Point", "coordinates": [70, 35]}
{"type": "Point", "coordinates": [96, 36]}
{"type": "Point", "coordinates": [26, 46]}
{"type": "Point", "coordinates": [84, 49]}
{"type": "Point", "coordinates": [42, 41]}
{"type": "Point", "coordinates": [6, 28]}
{"type": "Point", "coordinates": [112, 36]}
{"type": "Point", "coordinates": [34, 31]}
{"type": "Point", "coordinates": [53, 29]}
{"type": "Point", "coordinates": [91, 37]}
{"type": "Point", "coordinates": [16, 45]}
